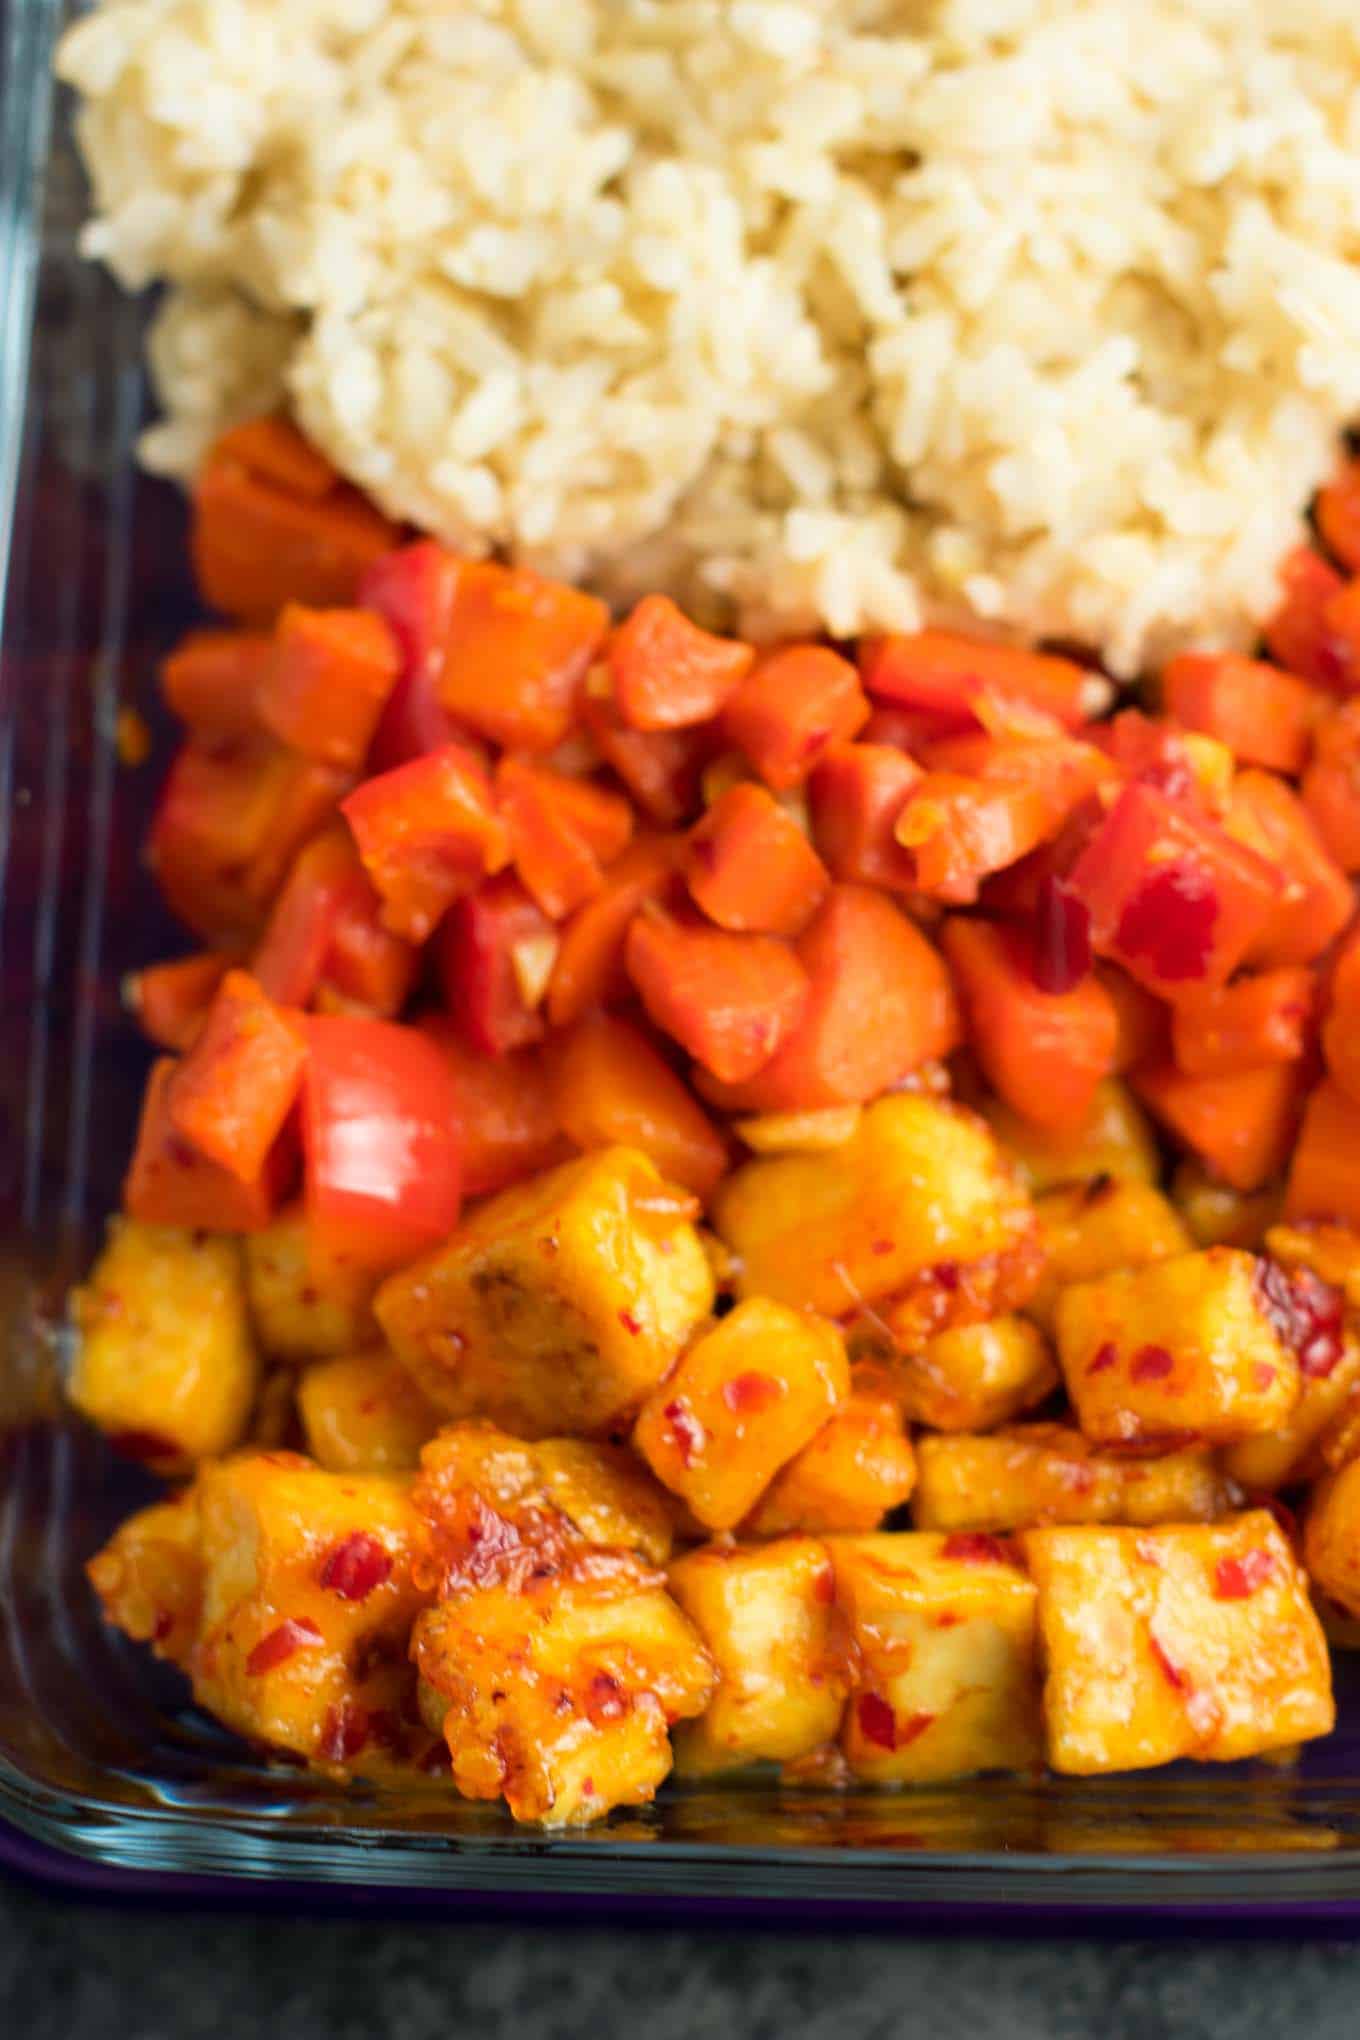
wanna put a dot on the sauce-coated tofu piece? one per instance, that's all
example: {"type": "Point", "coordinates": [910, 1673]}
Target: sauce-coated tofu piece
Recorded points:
{"type": "Point", "coordinates": [1182, 1350]}
{"type": "Point", "coordinates": [766, 1614]}
{"type": "Point", "coordinates": [948, 1679]}
{"type": "Point", "coordinates": [306, 1305]}
{"type": "Point", "coordinates": [1090, 1229]}
{"type": "Point", "coordinates": [165, 1361]}
{"type": "Point", "coordinates": [1117, 1140]}
{"type": "Point", "coordinates": [558, 1304]}
{"type": "Point", "coordinates": [362, 1413]}
{"type": "Point", "coordinates": [859, 1466]}
{"type": "Point", "coordinates": [1298, 1451]}
{"type": "Point", "coordinates": [747, 1396]}
{"type": "Point", "coordinates": [968, 1378]}
{"type": "Point", "coordinates": [1187, 1641]}
{"type": "Point", "coordinates": [149, 1577]}
{"type": "Point", "coordinates": [1331, 1536]}
{"type": "Point", "coordinates": [1049, 1473]}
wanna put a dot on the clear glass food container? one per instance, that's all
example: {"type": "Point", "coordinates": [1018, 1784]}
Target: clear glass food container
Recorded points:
{"type": "Point", "coordinates": [108, 1777]}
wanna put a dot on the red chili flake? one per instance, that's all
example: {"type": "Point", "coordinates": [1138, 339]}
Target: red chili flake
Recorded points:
{"type": "Point", "coordinates": [975, 1547]}
{"type": "Point", "coordinates": [949, 1620]}
{"type": "Point", "coordinates": [824, 1586]}
{"type": "Point", "coordinates": [1171, 1672]}
{"type": "Point", "coordinates": [877, 1722]}
{"type": "Point", "coordinates": [385, 1732]}
{"type": "Point", "coordinates": [1150, 1363]}
{"type": "Point", "coordinates": [1169, 921]}
{"type": "Point", "coordinates": [343, 1733]}
{"type": "Point", "coordinates": [914, 1725]}
{"type": "Point", "coordinates": [588, 1787]}
{"type": "Point", "coordinates": [165, 1622]}
{"type": "Point", "coordinates": [1304, 1312]}
{"type": "Point", "coordinates": [882, 1246]}
{"type": "Point", "coordinates": [1171, 775]}
{"type": "Point", "coordinates": [630, 1323]}
{"type": "Point", "coordinates": [144, 1445]}
{"type": "Point", "coordinates": [280, 1644]}
{"type": "Point", "coordinates": [355, 1567]}
{"type": "Point", "coordinates": [1262, 1374]}
{"type": "Point", "coordinates": [605, 1699]}
{"type": "Point", "coordinates": [1236, 1579]}
{"type": "Point", "coordinates": [686, 1430]}
{"type": "Point", "coordinates": [944, 1275]}
{"type": "Point", "coordinates": [1060, 954]}
{"type": "Point", "coordinates": [1103, 1360]}
{"type": "Point", "coordinates": [748, 1394]}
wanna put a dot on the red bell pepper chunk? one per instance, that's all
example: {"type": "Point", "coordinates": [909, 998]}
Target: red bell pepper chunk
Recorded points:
{"type": "Point", "coordinates": [960, 828]}
{"type": "Point", "coordinates": [1172, 897]}
{"type": "Point", "coordinates": [1263, 715]}
{"type": "Point", "coordinates": [1244, 1025]}
{"type": "Point", "coordinates": [325, 936]}
{"type": "Point", "coordinates": [750, 868]}
{"type": "Point", "coordinates": [1316, 902]}
{"type": "Point", "coordinates": [791, 708]}
{"type": "Point", "coordinates": [1241, 1126]}
{"type": "Point", "coordinates": [589, 967]}
{"type": "Point", "coordinates": [945, 673]}
{"type": "Point", "coordinates": [507, 1120]}
{"type": "Point", "coordinates": [1063, 771]}
{"type": "Point", "coordinates": [562, 831]}
{"type": "Point", "coordinates": [1331, 785]}
{"type": "Point", "coordinates": [669, 674]}
{"type": "Point", "coordinates": [661, 769]}
{"type": "Point", "coordinates": [171, 1183]}
{"type": "Point", "coordinates": [856, 794]}
{"type": "Point", "coordinates": [1338, 516]}
{"type": "Point", "coordinates": [413, 590]}
{"type": "Point", "coordinates": [1151, 753]}
{"type": "Point", "coordinates": [518, 651]}
{"type": "Point", "coordinates": [171, 1000]}
{"type": "Point", "coordinates": [235, 1088]}
{"type": "Point", "coordinates": [487, 951]}
{"type": "Point", "coordinates": [330, 675]}
{"type": "Point", "coordinates": [729, 1000]}
{"type": "Point", "coordinates": [1299, 634]}
{"type": "Point", "coordinates": [212, 680]}
{"type": "Point", "coordinates": [382, 1173]}
{"type": "Point", "coordinates": [427, 833]}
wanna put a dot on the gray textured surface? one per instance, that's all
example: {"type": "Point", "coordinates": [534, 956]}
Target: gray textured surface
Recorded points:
{"type": "Point", "coordinates": [77, 1971]}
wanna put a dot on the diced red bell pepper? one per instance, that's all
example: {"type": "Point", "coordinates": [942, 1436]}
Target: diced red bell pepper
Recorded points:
{"type": "Point", "coordinates": [1323, 1179]}
{"type": "Point", "coordinates": [1172, 897]}
{"type": "Point", "coordinates": [326, 939]}
{"type": "Point", "coordinates": [791, 708]}
{"type": "Point", "coordinates": [589, 968]}
{"type": "Point", "coordinates": [1241, 1126]}
{"type": "Point", "coordinates": [1244, 1025]}
{"type": "Point", "coordinates": [381, 1148]}
{"type": "Point", "coordinates": [212, 679]}
{"type": "Point", "coordinates": [1152, 753]}
{"type": "Point", "coordinates": [959, 829]}
{"type": "Point", "coordinates": [487, 950]}
{"type": "Point", "coordinates": [667, 673]}
{"type": "Point", "coordinates": [937, 670]}
{"type": "Point", "coordinates": [913, 729]}
{"type": "Point", "coordinates": [1338, 516]}
{"type": "Point", "coordinates": [1299, 635]}
{"type": "Point", "coordinates": [562, 832]}
{"type": "Point", "coordinates": [750, 868]}
{"type": "Point", "coordinates": [1331, 785]}
{"type": "Point", "coordinates": [729, 1000]}
{"type": "Point", "coordinates": [1263, 715]}
{"type": "Point", "coordinates": [413, 589]}
{"type": "Point", "coordinates": [881, 1004]}
{"type": "Point", "coordinates": [1317, 901]}
{"type": "Point", "coordinates": [1043, 1053]}
{"type": "Point", "coordinates": [611, 1086]}
{"type": "Point", "coordinates": [171, 1000]}
{"type": "Point", "coordinates": [427, 832]}
{"type": "Point", "coordinates": [331, 673]}
{"type": "Point", "coordinates": [235, 1088]}
{"type": "Point", "coordinates": [856, 794]}
{"type": "Point", "coordinates": [1064, 771]}
{"type": "Point", "coordinates": [661, 769]}
{"type": "Point", "coordinates": [518, 651]}
{"type": "Point", "coordinates": [506, 1116]}
{"type": "Point", "coordinates": [171, 1183]}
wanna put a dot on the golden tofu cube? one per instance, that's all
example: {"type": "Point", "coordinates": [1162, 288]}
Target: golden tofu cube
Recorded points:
{"type": "Point", "coordinates": [968, 1378]}
{"type": "Point", "coordinates": [1117, 1140]}
{"type": "Point", "coordinates": [747, 1396]}
{"type": "Point", "coordinates": [149, 1577]}
{"type": "Point", "coordinates": [558, 1304]}
{"type": "Point", "coordinates": [1049, 1473]}
{"type": "Point", "coordinates": [918, 1199]}
{"type": "Point", "coordinates": [557, 1694]}
{"type": "Point", "coordinates": [1186, 1641]}
{"type": "Point", "coordinates": [305, 1306]}
{"type": "Point", "coordinates": [766, 1614]}
{"type": "Point", "coordinates": [165, 1361]}
{"type": "Point", "coordinates": [1331, 1536]}
{"type": "Point", "coordinates": [1298, 1450]}
{"type": "Point", "coordinates": [1089, 1229]}
{"type": "Point", "coordinates": [1216, 1215]}
{"type": "Point", "coordinates": [362, 1413]}
{"type": "Point", "coordinates": [948, 1674]}
{"type": "Point", "coordinates": [1183, 1349]}
{"type": "Point", "coordinates": [859, 1466]}
{"type": "Point", "coordinates": [308, 1601]}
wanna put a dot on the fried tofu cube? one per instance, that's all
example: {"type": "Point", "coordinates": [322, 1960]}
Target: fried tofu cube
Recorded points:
{"type": "Point", "coordinates": [859, 1466]}
{"type": "Point", "coordinates": [918, 1201]}
{"type": "Point", "coordinates": [558, 1304]}
{"type": "Point", "coordinates": [1089, 1229]}
{"type": "Point", "coordinates": [165, 1361]}
{"type": "Point", "coordinates": [149, 1577]}
{"type": "Point", "coordinates": [745, 1398]}
{"type": "Point", "coordinates": [308, 1601]}
{"type": "Point", "coordinates": [1182, 1349]}
{"type": "Point", "coordinates": [1331, 1536]}
{"type": "Point", "coordinates": [948, 1674]}
{"type": "Point", "coordinates": [968, 1378]}
{"type": "Point", "coordinates": [1186, 1641]}
{"type": "Point", "coordinates": [1298, 1450]}
{"type": "Point", "coordinates": [306, 1306]}
{"type": "Point", "coordinates": [1216, 1215]}
{"type": "Point", "coordinates": [1049, 1473]}
{"type": "Point", "coordinates": [765, 1613]}
{"type": "Point", "coordinates": [362, 1413]}
{"type": "Point", "coordinates": [557, 1694]}
{"type": "Point", "coordinates": [1117, 1140]}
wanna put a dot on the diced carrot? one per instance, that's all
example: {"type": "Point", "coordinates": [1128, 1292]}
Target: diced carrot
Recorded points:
{"type": "Point", "coordinates": [237, 1085]}
{"type": "Point", "coordinates": [492, 950]}
{"type": "Point", "coordinates": [729, 1000]}
{"type": "Point", "coordinates": [610, 1085]}
{"type": "Point", "coordinates": [791, 708]}
{"type": "Point", "coordinates": [518, 651]}
{"type": "Point", "coordinates": [562, 832]}
{"type": "Point", "coordinates": [413, 590]}
{"type": "Point", "coordinates": [1331, 785]}
{"type": "Point", "coordinates": [881, 1005]}
{"type": "Point", "coordinates": [661, 769]}
{"type": "Point", "coordinates": [1244, 1025]}
{"type": "Point", "coordinates": [1143, 1021]}
{"type": "Point", "coordinates": [506, 1116]}
{"type": "Point", "coordinates": [171, 1000]}
{"type": "Point", "coordinates": [1062, 770]}
{"type": "Point", "coordinates": [589, 968]}
{"type": "Point", "coordinates": [170, 1183]}
{"type": "Point", "coordinates": [330, 675]}
{"type": "Point", "coordinates": [1263, 715]}
{"type": "Point", "coordinates": [367, 972]}
{"type": "Point", "coordinates": [1341, 1030]}
{"type": "Point", "coordinates": [959, 829]}
{"type": "Point", "coordinates": [1316, 902]}
{"type": "Point", "coordinates": [750, 867]}
{"type": "Point", "coordinates": [1338, 516]}
{"type": "Point", "coordinates": [1342, 620]}
{"type": "Point", "coordinates": [667, 673]}
{"type": "Point", "coordinates": [273, 448]}
{"type": "Point", "coordinates": [1044, 1053]}
{"type": "Point", "coordinates": [856, 794]}
{"type": "Point", "coordinates": [913, 729]}
{"type": "Point", "coordinates": [212, 679]}
{"type": "Point", "coordinates": [1324, 1181]}
{"type": "Point", "coordinates": [1298, 635]}
{"type": "Point", "coordinates": [1240, 1126]}
{"type": "Point", "coordinates": [427, 832]}
{"type": "Point", "coordinates": [935, 669]}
